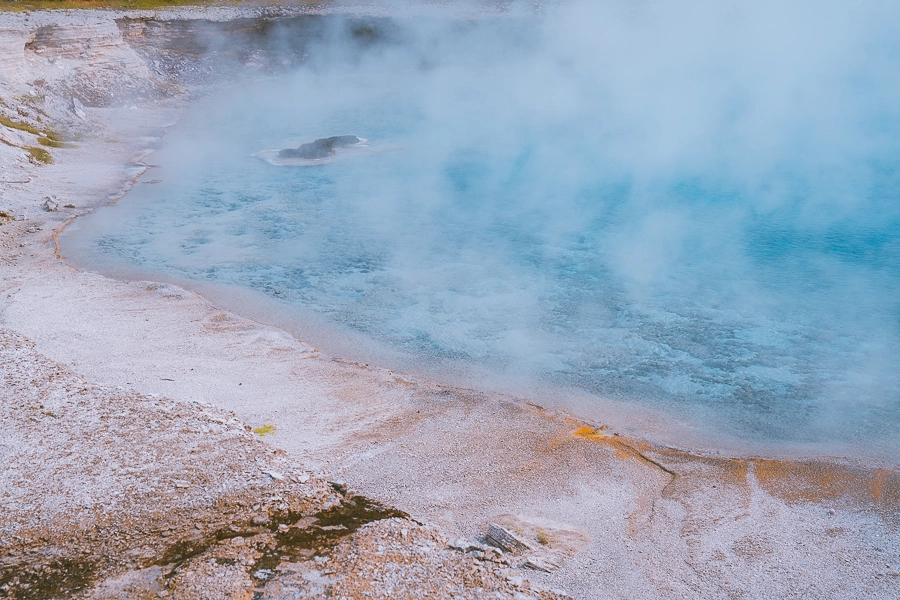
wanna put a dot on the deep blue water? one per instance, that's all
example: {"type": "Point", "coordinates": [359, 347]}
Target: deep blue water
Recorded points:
{"type": "Point", "coordinates": [725, 247]}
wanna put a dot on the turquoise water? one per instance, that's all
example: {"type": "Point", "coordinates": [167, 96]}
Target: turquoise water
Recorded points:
{"type": "Point", "coordinates": [715, 235]}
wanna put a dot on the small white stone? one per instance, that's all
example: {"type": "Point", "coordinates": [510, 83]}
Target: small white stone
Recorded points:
{"type": "Point", "coordinates": [78, 109]}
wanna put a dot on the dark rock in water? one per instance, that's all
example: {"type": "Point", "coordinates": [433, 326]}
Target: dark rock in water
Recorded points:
{"type": "Point", "coordinates": [321, 148]}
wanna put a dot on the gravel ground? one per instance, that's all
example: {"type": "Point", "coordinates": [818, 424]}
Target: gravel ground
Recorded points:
{"type": "Point", "coordinates": [108, 493]}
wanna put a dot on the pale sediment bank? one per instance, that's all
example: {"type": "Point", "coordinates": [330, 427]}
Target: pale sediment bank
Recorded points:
{"type": "Point", "coordinates": [117, 477]}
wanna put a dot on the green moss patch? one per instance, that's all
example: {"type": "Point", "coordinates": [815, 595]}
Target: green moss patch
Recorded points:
{"type": "Point", "coordinates": [6, 121]}
{"type": "Point", "coordinates": [53, 143]}
{"type": "Point", "coordinates": [40, 155]}
{"type": "Point", "coordinates": [45, 138]}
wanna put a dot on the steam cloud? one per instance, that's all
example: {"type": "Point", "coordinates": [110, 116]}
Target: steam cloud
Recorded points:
{"type": "Point", "coordinates": [689, 204]}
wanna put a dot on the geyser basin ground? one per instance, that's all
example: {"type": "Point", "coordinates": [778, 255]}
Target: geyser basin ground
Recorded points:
{"type": "Point", "coordinates": [694, 222]}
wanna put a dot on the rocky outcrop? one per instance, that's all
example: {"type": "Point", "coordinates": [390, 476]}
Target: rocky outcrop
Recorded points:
{"type": "Point", "coordinates": [89, 60]}
{"type": "Point", "coordinates": [53, 64]}
{"type": "Point", "coordinates": [13, 70]}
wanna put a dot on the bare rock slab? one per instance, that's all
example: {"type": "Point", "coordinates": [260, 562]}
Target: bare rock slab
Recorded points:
{"type": "Point", "coordinates": [507, 540]}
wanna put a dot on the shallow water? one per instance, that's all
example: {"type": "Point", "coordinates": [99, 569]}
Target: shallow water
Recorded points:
{"type": "Point", "coordinates": [709, 228]}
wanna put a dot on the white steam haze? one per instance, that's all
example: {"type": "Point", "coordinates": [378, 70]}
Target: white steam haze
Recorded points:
{"type": "Point", "coordinates": [689, 206]}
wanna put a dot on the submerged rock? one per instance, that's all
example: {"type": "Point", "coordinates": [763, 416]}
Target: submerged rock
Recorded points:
{"type": "Point", "coordinates": [321, 148]}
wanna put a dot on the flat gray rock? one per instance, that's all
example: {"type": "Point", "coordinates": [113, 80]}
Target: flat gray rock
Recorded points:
{"type": "Point", "coordinates": [321, 148]}
{"type": "Point", "coordinates": [319, 152]}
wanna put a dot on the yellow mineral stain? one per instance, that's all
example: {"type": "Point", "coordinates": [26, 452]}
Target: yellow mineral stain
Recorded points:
{"type": "Point", "coordinates": [793, 481]}
{"type": "Point", "coordinates": [264, 430]}
{"type": "Point", "coordinates": [589, 433]}
{"type": "Point", "coordinates": [817, 481]}
{"type": "Point", "coordinates": [812, 481]}
{"type": "Point", "coordinates": [624, 448]}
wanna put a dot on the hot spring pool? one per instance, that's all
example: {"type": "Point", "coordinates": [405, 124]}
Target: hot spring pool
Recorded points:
{"type": "Point", "coordinates": [701, 219]}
